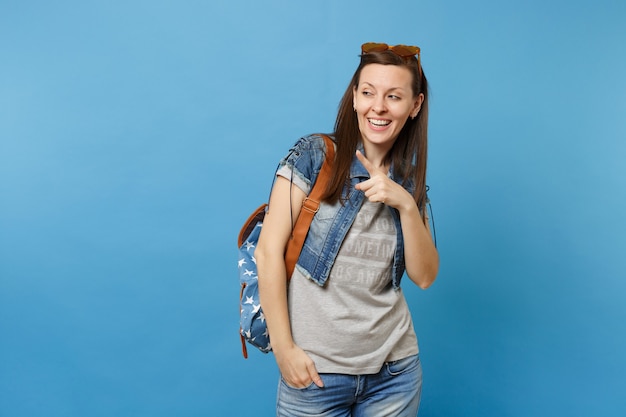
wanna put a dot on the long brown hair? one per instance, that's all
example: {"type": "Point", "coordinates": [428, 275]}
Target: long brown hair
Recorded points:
{"type": "Point", "coordinates": [409, 152]}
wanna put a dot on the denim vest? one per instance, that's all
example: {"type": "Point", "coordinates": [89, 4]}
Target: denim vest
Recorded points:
{"type": "Point", "coordinates": [332, 221]}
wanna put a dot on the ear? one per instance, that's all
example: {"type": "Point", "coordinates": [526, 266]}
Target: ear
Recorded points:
{"type": "Point", "coordinates": [354, 97]}
{"type": "Point", "coordinates": [417, 105]}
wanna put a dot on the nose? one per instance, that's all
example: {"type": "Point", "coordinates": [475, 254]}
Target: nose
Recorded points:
{"type": "Point", "coordinates": [379, 105]}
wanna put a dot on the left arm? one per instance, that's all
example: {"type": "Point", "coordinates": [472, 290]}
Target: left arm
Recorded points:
{"type": "Point", "coordinates": [420, 255]}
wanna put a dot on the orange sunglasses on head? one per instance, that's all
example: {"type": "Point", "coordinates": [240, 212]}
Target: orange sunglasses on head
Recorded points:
{"type": "Point", "coordinates": [403, 51]}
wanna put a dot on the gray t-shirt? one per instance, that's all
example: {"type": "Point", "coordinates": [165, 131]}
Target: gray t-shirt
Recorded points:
{"type": "Point", "coordinates": [357, 321]}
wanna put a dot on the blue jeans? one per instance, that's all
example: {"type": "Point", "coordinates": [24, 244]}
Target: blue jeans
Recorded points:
{"type": "Point", "coordinates": [393, 392]}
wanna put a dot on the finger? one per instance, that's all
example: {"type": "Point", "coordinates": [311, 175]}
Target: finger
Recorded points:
{"type": "Point", "coordinates": [317, 380]}
{"type": "Point", "coordinates": [366, 163]}
{"type": "Point", "coordinates": [364, 185]}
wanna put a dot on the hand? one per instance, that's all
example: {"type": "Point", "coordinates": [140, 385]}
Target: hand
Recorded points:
{"type": "Point", "coordinates": [379, 188]}
{"type": "Point", "coordinates": [297, 368]}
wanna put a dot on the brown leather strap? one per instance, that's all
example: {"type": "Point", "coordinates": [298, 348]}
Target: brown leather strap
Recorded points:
{"type": "Point", "coordinates": [309, 208]}
{"type": "Point", "coordinates": [301, 228]}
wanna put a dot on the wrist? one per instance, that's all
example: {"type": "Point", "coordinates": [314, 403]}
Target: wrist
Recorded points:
{"type": "Point", "coordinates": [281, 344]}
{"type": "Point", "coordinates": [409, 208]}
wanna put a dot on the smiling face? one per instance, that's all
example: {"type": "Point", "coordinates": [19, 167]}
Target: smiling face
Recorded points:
{"type": "Point", "coordinates": [383, 101]}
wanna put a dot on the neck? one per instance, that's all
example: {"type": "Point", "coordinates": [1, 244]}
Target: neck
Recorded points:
{"type": "Point", "coordinates": [377, 155]}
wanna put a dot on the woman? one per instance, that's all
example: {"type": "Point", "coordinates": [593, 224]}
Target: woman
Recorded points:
{"type": "Point", "coordinates": [341, 331]}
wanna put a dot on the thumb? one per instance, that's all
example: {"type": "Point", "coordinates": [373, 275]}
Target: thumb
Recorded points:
{"type": "Point", "coordinates": [317, 380]}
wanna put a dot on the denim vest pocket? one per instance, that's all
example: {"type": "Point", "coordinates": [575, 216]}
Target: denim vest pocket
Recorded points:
{"type": "Point", "coordinates": [326, 211]}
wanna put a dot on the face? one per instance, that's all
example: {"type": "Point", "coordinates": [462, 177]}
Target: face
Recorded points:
{"type": "Point", "coordinates": [383, 102]}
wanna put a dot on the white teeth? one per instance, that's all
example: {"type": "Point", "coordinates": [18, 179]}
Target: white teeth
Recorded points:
{"type": "Point", "coordinates": [379, 122]}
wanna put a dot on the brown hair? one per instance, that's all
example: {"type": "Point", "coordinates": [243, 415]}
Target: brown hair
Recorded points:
{"type": "Point", "coordinates": [409, 152]}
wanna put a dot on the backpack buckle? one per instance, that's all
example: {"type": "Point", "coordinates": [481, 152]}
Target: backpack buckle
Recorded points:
{"type": "Point", "coordinates": [312, 206]}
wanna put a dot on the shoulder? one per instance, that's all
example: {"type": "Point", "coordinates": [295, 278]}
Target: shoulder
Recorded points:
{"type": "Point", "coordinates": [311, 147]}
{"type": "Point", "coordinates": [314, 142]}
{"type": "Point", "coordinates": [306, 157]}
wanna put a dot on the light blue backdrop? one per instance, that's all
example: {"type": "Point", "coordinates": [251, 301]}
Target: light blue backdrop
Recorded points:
{"type": "Point", "coordinates": [136, 136]}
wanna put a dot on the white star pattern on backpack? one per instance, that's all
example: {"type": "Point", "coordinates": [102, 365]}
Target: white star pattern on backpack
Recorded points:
{"type": "Point", "coordinates": [252, 320]}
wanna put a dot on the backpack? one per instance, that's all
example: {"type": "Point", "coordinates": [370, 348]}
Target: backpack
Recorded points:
{"type": "Point", "coordinates": [252, 326]}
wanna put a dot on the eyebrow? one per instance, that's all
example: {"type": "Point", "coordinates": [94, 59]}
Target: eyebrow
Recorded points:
{"type": "Point", "coordinates": [391, 89]}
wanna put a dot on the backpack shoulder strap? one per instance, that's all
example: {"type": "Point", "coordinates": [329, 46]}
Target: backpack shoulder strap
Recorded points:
{"type": "Point", "coordinates": [309, 208]}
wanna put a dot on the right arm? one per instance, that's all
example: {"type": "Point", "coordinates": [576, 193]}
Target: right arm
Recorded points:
{"type": "Point", "coordinates": [296, 367]}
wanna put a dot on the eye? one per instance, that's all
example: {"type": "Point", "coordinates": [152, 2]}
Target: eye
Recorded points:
{"type": "Point", "coordinates": [394, 97]}
{"type": "Point", "coordinates": [366, 93]}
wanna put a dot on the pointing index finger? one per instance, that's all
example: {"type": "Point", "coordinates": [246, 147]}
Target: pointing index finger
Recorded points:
{"type": "Point", "coordinates": [366, 163]}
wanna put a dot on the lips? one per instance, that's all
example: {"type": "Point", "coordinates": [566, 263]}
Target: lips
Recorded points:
{"type": "Point", "coordinates": [379, 122]}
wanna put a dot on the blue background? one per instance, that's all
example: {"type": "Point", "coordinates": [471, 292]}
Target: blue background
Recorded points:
{"type": "Point", "coordinates": [136, 136]}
